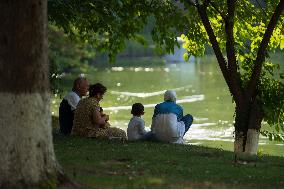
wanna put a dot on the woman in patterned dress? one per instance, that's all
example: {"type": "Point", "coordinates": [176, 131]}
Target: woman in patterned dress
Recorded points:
{"type": "Point", "coordinates": [88, 120]}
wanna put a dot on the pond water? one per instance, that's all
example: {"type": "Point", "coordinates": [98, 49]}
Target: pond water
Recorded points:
{"type": "Point", "coordinates": [201, 91]}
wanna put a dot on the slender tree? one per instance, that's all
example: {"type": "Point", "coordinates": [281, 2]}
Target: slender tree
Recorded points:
{"type": "Point", "coordinates": [245, 32]}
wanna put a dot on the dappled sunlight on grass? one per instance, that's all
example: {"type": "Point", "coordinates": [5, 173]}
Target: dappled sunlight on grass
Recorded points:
{"type": "Point", "coordinates": [155, 181]}
{"type": "Point", "coordinates": [116, 164]}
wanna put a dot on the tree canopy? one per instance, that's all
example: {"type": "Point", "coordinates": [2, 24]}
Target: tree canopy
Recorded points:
{"type": "Point", "coordinates": [108, 24]}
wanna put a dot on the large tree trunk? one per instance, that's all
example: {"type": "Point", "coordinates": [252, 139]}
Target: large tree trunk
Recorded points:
{"type": "Point", "coordinates": [247, 125]}
{"type": "Point", "coordinates": [27, 157]}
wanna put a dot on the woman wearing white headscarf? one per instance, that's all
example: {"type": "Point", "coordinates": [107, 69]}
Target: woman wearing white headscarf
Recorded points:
{"type": "Point", "coordinates": [168, 122]}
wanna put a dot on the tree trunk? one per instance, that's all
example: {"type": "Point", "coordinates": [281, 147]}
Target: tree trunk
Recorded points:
{"type": "Point", "coordinates": [247, 125]}
{"type": "Point", "coordinates": [246, 142]}
{"type": "Point", "coordinates": [248, 115]}
{"type": "Point", "coordinates": [27, 155]}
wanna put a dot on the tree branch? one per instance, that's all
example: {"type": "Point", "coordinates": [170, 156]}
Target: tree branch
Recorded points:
{"type": "Point", "coordinates": [230, 48]}
{"type": "Point", "coordinates": [216, 8]}
{"type": "Point", "coordinates": [221, 60]}
{"type": "Point", "coordinates": [191, 2]}
{"type": "Point", "coordinates": [251, 88]}
{"type": "Point", "coordinates": [206, 3]}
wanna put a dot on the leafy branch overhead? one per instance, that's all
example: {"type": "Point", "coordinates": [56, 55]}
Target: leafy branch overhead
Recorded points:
{"type": "Point", "coordinates": [108, 24]}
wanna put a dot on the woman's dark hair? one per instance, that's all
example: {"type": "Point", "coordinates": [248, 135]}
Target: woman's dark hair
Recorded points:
{"type": "Point", "coordinates": [97, 89]}
{"type": "Point", "coordinates": [137, 109]}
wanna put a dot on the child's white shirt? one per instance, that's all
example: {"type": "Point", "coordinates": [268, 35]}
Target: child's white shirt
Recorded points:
{"type": "Point", "coordinates": [136, 128]}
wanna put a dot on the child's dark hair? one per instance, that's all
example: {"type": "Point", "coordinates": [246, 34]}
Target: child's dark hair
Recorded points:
{"type": "Point", "coordinates": [137, 109]}
{"type": "Point", "coordinates": [96, 89]}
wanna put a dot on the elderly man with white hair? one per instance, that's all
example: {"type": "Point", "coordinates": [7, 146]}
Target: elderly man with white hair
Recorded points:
{"type": "Point", "coordinates": [168, 122]}
{"type": "Point", "coordinates": [69, 104]}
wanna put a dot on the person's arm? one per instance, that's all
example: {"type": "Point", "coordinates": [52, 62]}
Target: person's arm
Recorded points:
{"type": "Point", "coordinates": [180, 113]}
{"type": "Point", "coordinates": [98, 119]}
{"type": "Point", "coordinates": [107, 117]}
{"type": "Point", "coordinates": [141, 128]}
{"type": "Point", "coordinates": [155, 111]}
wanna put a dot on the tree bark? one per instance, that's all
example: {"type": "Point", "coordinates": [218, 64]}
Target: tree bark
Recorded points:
{"type": "Point", "coordinates": [247, 125]}
{"type": "Point", "coordinates": [234, 89]}
{"type": "Point", "coordinates": [27, 155]}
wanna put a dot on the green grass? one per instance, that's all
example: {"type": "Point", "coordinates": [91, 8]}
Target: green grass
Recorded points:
{"type": "Point", "coordinates": [118, 164]}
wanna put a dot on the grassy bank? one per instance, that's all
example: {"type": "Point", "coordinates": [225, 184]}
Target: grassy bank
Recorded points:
{"type": "Point", "coordinates": [118, 164]}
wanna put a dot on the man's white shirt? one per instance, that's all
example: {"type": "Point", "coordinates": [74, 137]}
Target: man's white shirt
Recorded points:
{"type": "Point", "coordinates": [72, 99]}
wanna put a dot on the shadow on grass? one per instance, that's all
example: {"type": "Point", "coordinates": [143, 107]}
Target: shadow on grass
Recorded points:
{"type": "Point", "coordinates": [118, 164]}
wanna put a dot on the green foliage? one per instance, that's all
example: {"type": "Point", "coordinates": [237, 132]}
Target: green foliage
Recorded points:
{"type": "Point", "coordinates": [273, 135]}
{"type": "Point", "coordinates": [65, 55]}
{"type": "Point", "coordinates": [193, 48]}
{"type": "Point", "coordinates": [259, 152]}
{"type": "Point", "coordinates": [69, 54]}
{"type": "Point", "coordinates": [270, 92]}
{"type": "Point", "coordinates": [185, 57]}
{"type": "Point", "coordinates": [250, 25]}
{"type": "Point", "coordinates": [54, 75]}
{"type": "Point", "coordinates": [107, 24]}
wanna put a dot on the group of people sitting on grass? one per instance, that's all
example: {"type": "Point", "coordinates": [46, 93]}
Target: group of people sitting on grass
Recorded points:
{"type": "Point", "coordinates": [85, 117]}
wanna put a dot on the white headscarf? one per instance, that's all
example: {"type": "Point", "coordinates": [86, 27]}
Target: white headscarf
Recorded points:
{"type": "Point", "coordinates": [170, 95]}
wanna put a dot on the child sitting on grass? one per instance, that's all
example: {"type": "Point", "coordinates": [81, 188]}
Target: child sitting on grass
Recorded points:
{"type": "Point", "coordinates": [136, 127]}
